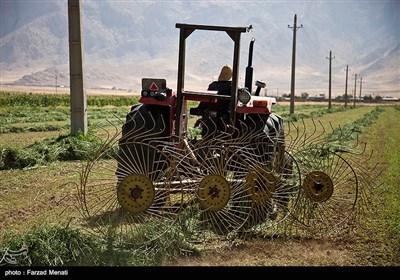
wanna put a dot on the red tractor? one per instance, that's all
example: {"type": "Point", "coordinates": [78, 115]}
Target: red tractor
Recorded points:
{"type": "Point", "coordinates": [234, 168]}
{"type": "Point", "coordinates": [240, 174]}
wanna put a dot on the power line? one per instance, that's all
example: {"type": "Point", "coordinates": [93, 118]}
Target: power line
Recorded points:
{"type": "Point", "coordinates": [311, 40]}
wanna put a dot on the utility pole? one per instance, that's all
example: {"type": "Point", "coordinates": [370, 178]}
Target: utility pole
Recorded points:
{"type": "Point", "coordinates": [330, 79]}
{"type": "Point", "coordinates": [345, 89]}
{"type": "Point", "coordinates": [361, 82]}
{"type": "Point", "coordinates": [56, 83]}
{"type": "Point", "coordinates": [77, 88]}
{"type": "Point", "coordinates": [355, 87]}
{"type": "Point", "coordinates": [294, 28]}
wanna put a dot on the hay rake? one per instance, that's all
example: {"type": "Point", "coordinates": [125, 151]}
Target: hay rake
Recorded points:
{"type": "Point", "coordinates": [245, 174]}
{"type": "Point", "coordinates": [245, 181]}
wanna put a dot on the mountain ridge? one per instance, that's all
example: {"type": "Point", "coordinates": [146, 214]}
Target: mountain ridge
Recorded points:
{"type": "Point", "coordinates": [125, 41]}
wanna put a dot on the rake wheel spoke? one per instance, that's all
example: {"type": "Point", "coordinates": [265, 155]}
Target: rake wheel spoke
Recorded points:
{"type": "Point", "coordinates": [329, 189]}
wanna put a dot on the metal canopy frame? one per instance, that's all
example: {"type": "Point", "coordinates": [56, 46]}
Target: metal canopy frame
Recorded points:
{"type": "Point", "coordinates": [185, 31]}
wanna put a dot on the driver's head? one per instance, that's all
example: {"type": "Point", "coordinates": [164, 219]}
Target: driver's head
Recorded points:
{"type": "Point", "coordinates": [226, 73]}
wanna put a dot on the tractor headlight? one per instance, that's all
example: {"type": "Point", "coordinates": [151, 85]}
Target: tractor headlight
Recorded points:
{"type": "Point", "coordinates": [244, 95]}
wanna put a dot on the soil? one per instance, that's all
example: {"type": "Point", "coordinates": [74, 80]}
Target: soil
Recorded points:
{"type": "Point", "coordinates": [274, 252]}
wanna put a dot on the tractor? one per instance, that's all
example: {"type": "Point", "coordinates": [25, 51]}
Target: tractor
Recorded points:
{"type": "Point", "coordinates": [243, 171]}
{"type": "Point", "coordinates": [236, 130]}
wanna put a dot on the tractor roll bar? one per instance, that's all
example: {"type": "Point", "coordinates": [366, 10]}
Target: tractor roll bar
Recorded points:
{"type": "Point", "coordinates": [185, 31]}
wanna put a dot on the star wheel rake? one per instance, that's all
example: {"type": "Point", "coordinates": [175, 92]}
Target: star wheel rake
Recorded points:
{"type": "Point", "coordinates": [240, 180]}
{"type": "Point", "coordinates": [134, 186]}
{"type": "Point", "coordinates": [335, 183]}
{"type": "Point", "coordinates": [329, 189]}
{"type": "Point", "coordinates": [214, 187]}
{"type": "Point", "coordinates": [273, 176]}
{"type": "Point", "coordinates": [272, 182]}
{"type": "Point", "coordinates": [365, 164]}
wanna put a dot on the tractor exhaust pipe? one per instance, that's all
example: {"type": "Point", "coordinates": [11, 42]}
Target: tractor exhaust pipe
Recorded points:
{"type": "Point", "coordinates": [249, 69]}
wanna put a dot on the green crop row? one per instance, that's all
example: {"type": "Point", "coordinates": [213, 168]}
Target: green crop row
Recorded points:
{"type": "Point", "coordinates": [314, 114]}
{"type": "Point", "coordinates": [351, 130]}
{"type": "Point", "coordinates": [53, 245]}
{"type": "Point", "coordinates": [60, 245]}
{"type": "Point", "coordinates": [35, 128]}
{"type": "Point", "coordinates": [38, 114]}
{"type": "Point", "coordinates": [11, 99]}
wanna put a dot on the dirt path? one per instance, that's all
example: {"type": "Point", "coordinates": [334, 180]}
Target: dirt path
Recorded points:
{"type": "Point", "coordinates": [275, 253]}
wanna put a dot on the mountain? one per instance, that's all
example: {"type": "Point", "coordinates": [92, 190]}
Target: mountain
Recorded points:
{"type": "Point", "coordinates": [125, 41]}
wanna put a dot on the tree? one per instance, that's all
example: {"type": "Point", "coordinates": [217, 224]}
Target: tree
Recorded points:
{"type": "Point", "coordinates": [367, 97]}
{"type": "Point", "coordinates": [304, 95]}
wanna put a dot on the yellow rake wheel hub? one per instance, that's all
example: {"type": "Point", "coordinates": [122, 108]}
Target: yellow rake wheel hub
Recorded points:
{"type": "Point", "coordinates": [214, 192]}
{"type": "Point", "coordinates": [318, 186]}
{"type": "Point", "coordinates": [260, 185]}
{"type": "Point", "coordinates": [136, 193]}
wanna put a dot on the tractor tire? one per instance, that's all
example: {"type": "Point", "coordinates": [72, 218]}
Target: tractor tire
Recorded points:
{"type": "Point", "coordinates": [144, 124]}
{"type": "Point", "coordinates": [144, 120]}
